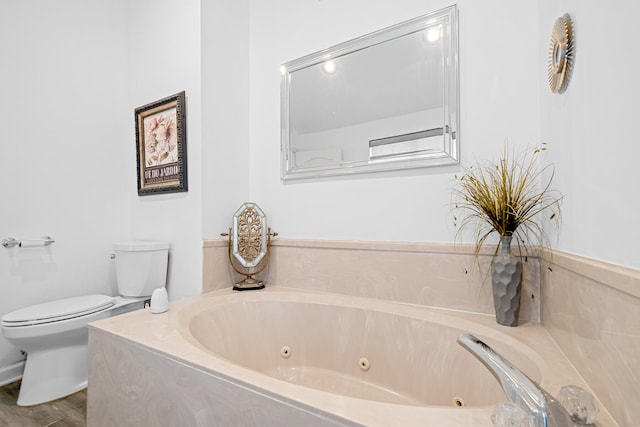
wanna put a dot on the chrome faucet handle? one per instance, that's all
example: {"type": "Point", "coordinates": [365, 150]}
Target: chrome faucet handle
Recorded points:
{"type": "Point", "coordinates": [544, 409]}
{"type": "Point", "coordinates": [580, 404]}
{"type": "Point", "coordinates": [508, 414]}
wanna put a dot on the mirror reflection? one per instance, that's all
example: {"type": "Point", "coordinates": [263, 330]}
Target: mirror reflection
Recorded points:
{"type": "Point", "coordinates": [384, 101]}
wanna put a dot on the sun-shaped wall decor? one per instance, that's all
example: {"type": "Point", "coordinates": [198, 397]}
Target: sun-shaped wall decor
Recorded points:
{"type": "Point", "coordinates": [561, 49]}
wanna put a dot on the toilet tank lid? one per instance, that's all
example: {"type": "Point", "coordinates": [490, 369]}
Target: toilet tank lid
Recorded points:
{"type": "Point", "coordinates": [140, 245]}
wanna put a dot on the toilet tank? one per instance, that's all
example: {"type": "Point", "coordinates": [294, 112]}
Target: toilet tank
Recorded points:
{"type": "Point", "coordinates": [141, 267]}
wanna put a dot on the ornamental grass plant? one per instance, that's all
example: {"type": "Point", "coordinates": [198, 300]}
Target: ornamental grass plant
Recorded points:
{"type": "Point", "coordinates": [508, 198]}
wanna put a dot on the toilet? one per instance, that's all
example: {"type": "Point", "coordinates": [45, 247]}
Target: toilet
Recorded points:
{"type": "Point", "coordinates": [54, 334]}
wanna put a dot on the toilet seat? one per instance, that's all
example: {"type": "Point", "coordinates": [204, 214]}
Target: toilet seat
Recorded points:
{"type": "Point", "coordinates": [58, 310]}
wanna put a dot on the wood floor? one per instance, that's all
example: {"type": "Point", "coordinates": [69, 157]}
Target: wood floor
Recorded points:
{"type": "Point", "coordinates": [70, 411]}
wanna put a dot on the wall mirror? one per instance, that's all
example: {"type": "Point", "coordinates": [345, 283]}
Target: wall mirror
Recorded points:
{"type": "Point", "coordinates": [384, 101]}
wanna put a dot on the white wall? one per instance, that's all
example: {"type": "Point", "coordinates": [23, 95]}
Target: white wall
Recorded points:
{"type": "Point", "coordinates": [71, 85]}
{"type": "Point", "coordinates": [591, 129]}
{"type": "Point", "coordinates": [225, 112]}
{"type": "Point", "coordinates": [164, 59]}
{"type": "Point", "coordinates": [66, 155]}
{"type": "Point", "coordinates": [499, 73]}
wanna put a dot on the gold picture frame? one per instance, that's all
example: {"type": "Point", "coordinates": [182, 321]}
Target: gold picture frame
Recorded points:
{"type": "Point", "coordinates": [161, 146]}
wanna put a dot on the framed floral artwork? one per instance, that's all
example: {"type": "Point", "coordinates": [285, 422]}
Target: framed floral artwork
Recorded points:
{"type": "Point", "coordinates": [161, 146]}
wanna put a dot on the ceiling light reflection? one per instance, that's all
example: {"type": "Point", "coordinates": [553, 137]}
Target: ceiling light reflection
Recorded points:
{"type": "Point", "coordinates": [433, 34]}
{"type": "Point", "coordinates": [329, 66]}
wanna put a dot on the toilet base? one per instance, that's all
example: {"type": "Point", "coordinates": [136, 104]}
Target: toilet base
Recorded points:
{"type": "Point", "coordinates": [58, 352]}
{"type": "Point", "coordinates": [52, 374]}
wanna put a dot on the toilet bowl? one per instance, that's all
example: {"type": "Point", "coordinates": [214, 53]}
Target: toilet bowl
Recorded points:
{"type": "Point", "coordinates": [54, 334]}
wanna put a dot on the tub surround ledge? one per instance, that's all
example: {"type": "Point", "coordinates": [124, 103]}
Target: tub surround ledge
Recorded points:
{"type": "Point", "coordinates": [143, 360]}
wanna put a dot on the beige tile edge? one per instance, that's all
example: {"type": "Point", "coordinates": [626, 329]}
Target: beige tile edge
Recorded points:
{"type": "Point", "coordinates": [624, 279]}
{"type": "Point", "coordinates": [215, 243]}
{"type": "Point", "coordinates": [373, 245]}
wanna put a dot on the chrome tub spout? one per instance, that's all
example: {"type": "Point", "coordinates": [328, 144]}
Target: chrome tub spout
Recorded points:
{"type": "Point", "coordinates": [544, 409]}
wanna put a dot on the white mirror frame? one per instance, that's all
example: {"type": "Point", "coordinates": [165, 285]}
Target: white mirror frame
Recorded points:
{"type": "Point", "coordinates": [448, 19]}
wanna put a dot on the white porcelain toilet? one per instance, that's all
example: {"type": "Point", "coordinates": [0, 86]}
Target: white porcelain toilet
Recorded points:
{"type": "Point", "coordinates": [54, 335]}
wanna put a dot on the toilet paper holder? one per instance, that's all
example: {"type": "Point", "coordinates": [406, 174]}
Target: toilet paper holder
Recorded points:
{"type": "Point", "coordinates": [10, 242]}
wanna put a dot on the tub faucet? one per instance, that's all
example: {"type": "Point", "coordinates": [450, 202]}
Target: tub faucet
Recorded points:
{"type": "Point", "coordinates": [544, 409]}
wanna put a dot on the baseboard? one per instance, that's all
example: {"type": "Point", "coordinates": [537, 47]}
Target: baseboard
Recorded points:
{"type": "Point", "coordinates": [11, 373]}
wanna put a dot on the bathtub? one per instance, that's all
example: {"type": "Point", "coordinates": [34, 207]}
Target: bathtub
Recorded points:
{"type": "Point", "coordinates": [342, 360]}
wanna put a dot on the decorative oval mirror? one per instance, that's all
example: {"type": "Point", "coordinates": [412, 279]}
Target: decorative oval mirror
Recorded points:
{"type": "Point", "coordinates": [560, 54]}
{"type": "Point", "coordinates": [249, 235]}
{"type": "Point", "coordinates": [249, 241]}
{"type": "Point", "coordinates": [384, 101]}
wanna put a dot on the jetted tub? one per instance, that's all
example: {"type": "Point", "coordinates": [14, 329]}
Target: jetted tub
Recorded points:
{"type": "Point", "coordinates": [363, 361]}
{"type": "Point", "coordinates": [342, 346]}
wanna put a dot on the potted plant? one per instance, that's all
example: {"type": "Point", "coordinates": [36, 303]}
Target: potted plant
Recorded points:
{"type": "Point", "coordinates": [507, 198]}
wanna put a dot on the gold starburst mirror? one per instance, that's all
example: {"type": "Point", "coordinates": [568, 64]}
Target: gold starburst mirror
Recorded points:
{"type": "Point", "coordinates": [561, 54]}
{"type": "Point", "coordinates": [249, 241]}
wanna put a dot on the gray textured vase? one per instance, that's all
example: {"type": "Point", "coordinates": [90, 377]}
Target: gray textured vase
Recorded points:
{"type": "Point", "coordinates": [506, 275]}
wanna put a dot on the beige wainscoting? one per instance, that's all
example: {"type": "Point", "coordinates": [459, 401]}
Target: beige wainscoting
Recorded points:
{"type": "Point", "coordinates": [432, 274]}
{"type": "Point", "coordinates": [592, 311]}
